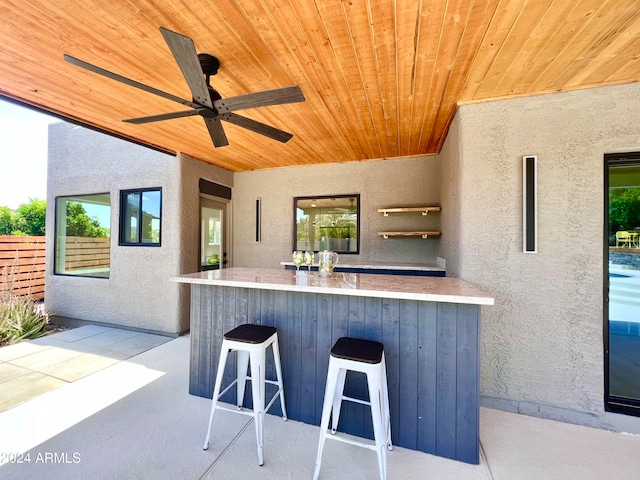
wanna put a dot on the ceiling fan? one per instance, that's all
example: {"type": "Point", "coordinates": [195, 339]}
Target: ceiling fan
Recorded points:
{"type": "Point", "coordinates": [197, 70]}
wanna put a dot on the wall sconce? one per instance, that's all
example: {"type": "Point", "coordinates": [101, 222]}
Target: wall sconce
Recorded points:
{"type": "Point", "coordinates": [258, 219]}
{"type": "Point", "coordinates": [529, 204]}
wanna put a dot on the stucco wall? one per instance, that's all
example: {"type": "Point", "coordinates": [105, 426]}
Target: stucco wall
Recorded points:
{"type": "Point", "coordinates": [191, 171]}
{"type": "Point", "coordinates": [138, 292]}
{"type": "Point", "coordinates": [382, 183]}
{"type": "Point", "coordinates": [542, 342]}
{"type": "Point", "coordinates": [450, 196]}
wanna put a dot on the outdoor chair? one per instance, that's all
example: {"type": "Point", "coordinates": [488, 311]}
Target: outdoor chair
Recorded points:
{"type": "Point", "coordinates": [623, 239]}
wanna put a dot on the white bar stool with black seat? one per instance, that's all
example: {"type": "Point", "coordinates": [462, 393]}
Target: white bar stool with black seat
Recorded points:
{"type": "Point", "coordinates": [364, 356]}
{"type": "Point", "coordinates": [251, 343]}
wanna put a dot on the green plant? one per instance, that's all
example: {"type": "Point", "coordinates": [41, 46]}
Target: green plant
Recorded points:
{"type": "Point", "coordinates": [624, 210]}
{"type": "Point", "coordinates": [20, 318]}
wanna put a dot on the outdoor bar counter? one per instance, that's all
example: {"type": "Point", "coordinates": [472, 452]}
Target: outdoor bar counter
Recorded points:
{"type": "Point", "coordinates": [430, 328]}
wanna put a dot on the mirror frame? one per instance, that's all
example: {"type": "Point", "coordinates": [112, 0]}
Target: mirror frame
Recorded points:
{"type": "Point", "coordinates": [355, 196]}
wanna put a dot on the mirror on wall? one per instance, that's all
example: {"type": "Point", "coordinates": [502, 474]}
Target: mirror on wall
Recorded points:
{"type": "Point", "coordinates": [327, 223]}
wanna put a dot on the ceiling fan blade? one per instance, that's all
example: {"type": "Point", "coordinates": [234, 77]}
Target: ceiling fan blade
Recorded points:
{"type": "Point", "coordinates": [185, 54]}
{"type": "Point", "coordinates": [128, 81]}
{"type": "Point", "coordinates": [257, 127]}
{"type": "Point", "coordinates": [162, 116]}
{"type": "Point", "coordinates": [277, 96]}
{"type": "Point", "coordinates": [216, 131]}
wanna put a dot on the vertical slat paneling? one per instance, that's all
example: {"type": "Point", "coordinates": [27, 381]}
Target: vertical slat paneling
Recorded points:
{"type": "Point", "coordinates": [265, 316]}
{"type": "Point", "coordinates": [309, 343]}
{"type": "Point", "coordinates": [218, 330]}
{"type": "Point", "coordinates": [280, 314]}
{"type": "Point", "coordinates": [427, 362]}
{"type": "Point", "coordinates": [446, 381]}
{"type": "Point", "coordinates": [467, 384]}
{"type": "Point", "coordinates": [229, 323]}
{"type": "Point", "coordinates": [199, 327]}
{"type": "Point", "coordinates": [392, 347]}
{"type": "Point", "coordinates": [294, 331]}
{"type": "Point", "coordinates": [206, 340]}
{"type": "Point", "coordinates": [408, 397]}
{"type": "Point", "coordinates": [340, 328]}
{"type": "Point", "coordinates": [324, 307]}
{"type": "Point", "coordinates": [356, 382]}
{"type": "Point", "coordinates": [431, 351]}
{"type": "Point", "coordinates": [372, 331]}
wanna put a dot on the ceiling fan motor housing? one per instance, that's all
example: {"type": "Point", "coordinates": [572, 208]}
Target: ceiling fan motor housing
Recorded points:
{"type": "Point", "coordinates": [209, 64]}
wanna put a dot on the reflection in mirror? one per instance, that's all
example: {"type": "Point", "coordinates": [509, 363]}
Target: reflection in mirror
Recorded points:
{"type": "Point", "coordinates": [327, 223]}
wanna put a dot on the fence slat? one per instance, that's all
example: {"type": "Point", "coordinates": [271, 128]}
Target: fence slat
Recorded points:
{"type": "Point", "coordinates": [86, 253]}
{"type": "Point", "coordinates": [22, 265]}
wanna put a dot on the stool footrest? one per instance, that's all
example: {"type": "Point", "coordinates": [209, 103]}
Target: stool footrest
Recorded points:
{"type": "Point", "coordinates": [226, 389]}
{"type": "Point", "coordinates": [273, 399]}
{"type": "Point", "coordinates": [356, 400]}
{"type": "Point", "coordinates": [271, 382]}
{"type": "Point", "coordinates": [240, 410]}
{"type": "Point", "coordinates": [339, 438]}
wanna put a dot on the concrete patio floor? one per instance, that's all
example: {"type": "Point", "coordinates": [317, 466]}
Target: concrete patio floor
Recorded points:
{"type": "Point", "coordinates": [31, 368]}
{"type": "Point", "coordinates": [135, 419]}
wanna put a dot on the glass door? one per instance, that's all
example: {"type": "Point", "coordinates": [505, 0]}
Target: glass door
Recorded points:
{"type": "Point", "coordinates": [622, 283]}
{"type": "Point", "coordinates": [213, 251]}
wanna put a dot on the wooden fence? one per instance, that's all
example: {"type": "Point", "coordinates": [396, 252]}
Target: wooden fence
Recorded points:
{"type": "Point", "coordinates": [22, 265]}
{"type": "Point", "coordinates": [22, 261]}
{"type": "Point", "coordinates": [86, 253]}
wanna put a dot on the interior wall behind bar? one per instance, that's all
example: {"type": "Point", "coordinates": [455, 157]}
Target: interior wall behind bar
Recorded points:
{"type": "Point", "coordinates": [542, 342]}
{"type": "Point", "coordinates": [381, 183]}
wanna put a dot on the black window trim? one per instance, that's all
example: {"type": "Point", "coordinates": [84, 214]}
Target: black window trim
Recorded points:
{"type": "Point", "coordinates": [613, 403]}
{"type": "Point", "coordinates": [55, 236]}
{"type": "Point", "coordinates": [358, 231]}
{"type": "Point", "coordinates": [121, 218]}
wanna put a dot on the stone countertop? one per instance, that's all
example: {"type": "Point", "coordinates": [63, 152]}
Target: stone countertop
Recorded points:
{"type": "Point", "coordinates": [380, 266]}
{"type": "Point", "coordinates": [430, 289]}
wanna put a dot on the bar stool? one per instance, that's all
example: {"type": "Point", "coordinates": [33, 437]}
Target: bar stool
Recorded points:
{"type": "Point", "coordinates": [364, 356]}
{"type": "Point", "coordinates": [251, 343]}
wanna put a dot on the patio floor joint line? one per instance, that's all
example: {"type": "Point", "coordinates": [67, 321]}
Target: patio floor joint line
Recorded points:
{"type": "Point", "coordinates": [226, 449]}
{"type": "Point", "coordinates": [485, 461]}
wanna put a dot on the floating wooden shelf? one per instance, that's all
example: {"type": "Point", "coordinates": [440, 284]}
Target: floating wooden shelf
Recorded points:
{"type": "Point", "coordinates": [409, 234]}
{"type": "Point", "coordinates": [422, 210]}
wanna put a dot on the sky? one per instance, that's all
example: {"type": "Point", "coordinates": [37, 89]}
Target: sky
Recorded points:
{"type": "Point", "coordinates": [23, 154]}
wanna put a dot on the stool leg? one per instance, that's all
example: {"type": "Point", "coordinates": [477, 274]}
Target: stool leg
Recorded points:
{"type": "Point", "coordinates": [258, 388]}
{"type": "Point", "coordinates": [216, 390]}
{"type": "Point", "coordinates": [276, 359]}
{"type": "Point", "coordinates": [374, 381]}
{"type": "Point", "coordinates": [332, 378]}
{"type": "Point", "coordinates": [385, 399]}
{"type": "Point", "coordinates": [337, 400]}
{"type": "Point", "coordinates": [243, 363]}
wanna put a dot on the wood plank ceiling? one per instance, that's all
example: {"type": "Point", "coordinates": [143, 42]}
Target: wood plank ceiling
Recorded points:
{"type": "Point", "coordinates": [382, 78]}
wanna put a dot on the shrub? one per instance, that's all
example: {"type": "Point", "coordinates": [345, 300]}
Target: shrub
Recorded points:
{"type": "Point", "coordinates": [20, 318]}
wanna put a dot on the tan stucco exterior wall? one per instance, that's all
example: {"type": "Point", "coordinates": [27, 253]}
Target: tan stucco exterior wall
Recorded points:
{"type": "Point", "coordinates": [138, 292]}
{"type": "Point", "coordinates": [382, 183]}
{"type": "Point", "coordinates": [542, 342]}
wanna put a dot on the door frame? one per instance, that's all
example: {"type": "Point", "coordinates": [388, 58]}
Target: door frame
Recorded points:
{"type": "Point", "coordinates": [613, 403]}
{"type": "Point", "coordinates": [224, 205]}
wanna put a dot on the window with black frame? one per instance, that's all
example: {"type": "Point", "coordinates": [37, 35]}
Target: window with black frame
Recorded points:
{"type": "Point", "coordinates": [82, 235]}
{"type": "Point", "coordinates": [141, 217]}
{"type": "Point", "coordinates": [327, 223]}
